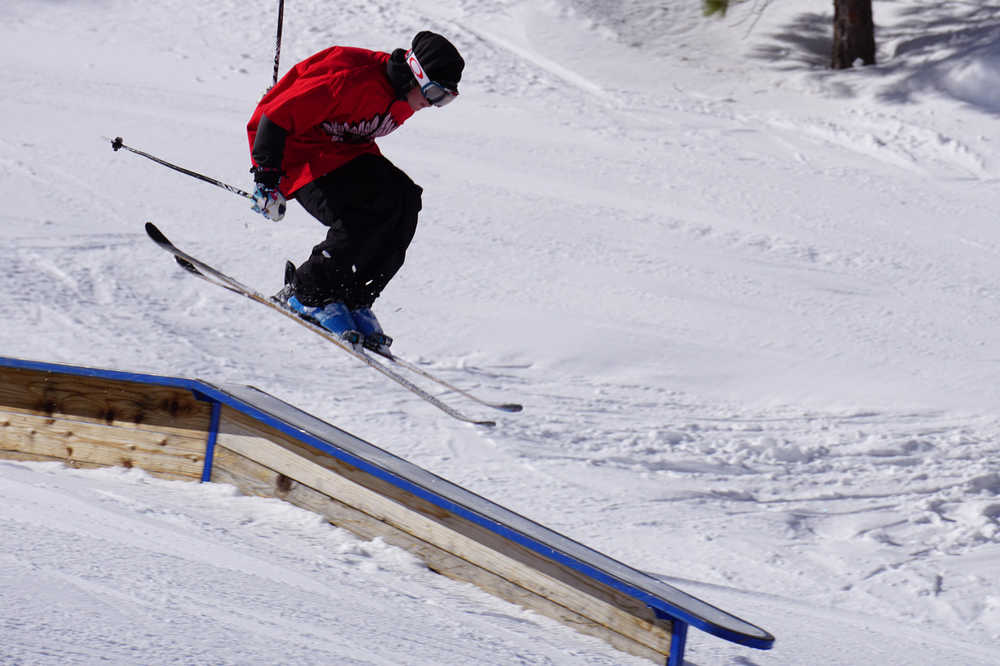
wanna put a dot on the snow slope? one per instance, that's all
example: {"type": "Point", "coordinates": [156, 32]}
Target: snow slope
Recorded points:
{"type": "Point", "coordinates": [750, 304]}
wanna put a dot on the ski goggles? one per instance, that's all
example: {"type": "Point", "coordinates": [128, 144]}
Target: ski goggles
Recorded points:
{"type": "Point", "coordinates": [435, 93]}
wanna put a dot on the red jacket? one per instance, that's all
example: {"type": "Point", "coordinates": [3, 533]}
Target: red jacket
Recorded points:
{"type": "Point", "coordinates": [333, 105]}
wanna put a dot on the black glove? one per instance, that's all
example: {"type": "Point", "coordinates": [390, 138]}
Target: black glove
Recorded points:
{"type": "Point", "coordinates": [266, 176]}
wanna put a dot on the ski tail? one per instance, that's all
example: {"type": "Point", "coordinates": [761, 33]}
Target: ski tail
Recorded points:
{"type": "Point", "coordinates": [416, 369]}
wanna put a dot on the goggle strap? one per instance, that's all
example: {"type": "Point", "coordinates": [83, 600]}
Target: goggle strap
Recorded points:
{"type": "Point", "coordinates": [424, 82]}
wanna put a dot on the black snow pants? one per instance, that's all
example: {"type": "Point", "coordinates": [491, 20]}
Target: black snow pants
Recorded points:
{"type": "Point", "coordinates": [371, 207]}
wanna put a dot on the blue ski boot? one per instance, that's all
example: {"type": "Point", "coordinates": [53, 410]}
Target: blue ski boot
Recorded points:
{"type": "Point", "coordinates": [373, 337]}
{"type": "Point", "coordinates": [334, 317]}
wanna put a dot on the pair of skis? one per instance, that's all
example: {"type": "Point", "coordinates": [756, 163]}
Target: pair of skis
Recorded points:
{"type": "Point", "coordinates": [387, 364]}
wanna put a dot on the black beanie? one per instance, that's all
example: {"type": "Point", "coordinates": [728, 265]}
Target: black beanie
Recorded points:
{"type": "Point", "coordinates": [439, 58]}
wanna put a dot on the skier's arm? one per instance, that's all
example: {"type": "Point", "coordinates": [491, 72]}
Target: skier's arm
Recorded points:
{"type": "Point", "coordinates": [268, 151]}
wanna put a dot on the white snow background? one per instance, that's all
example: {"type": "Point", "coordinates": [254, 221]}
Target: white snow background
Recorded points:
{"type": "Point", "coordinates": [751, 305]}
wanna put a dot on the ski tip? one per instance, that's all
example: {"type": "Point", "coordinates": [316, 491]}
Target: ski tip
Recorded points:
{"type": "Point", "coordinates": [485, 424]}
{"type": "Point", "coordinates": [155, 233]}
{"type": "Point", "coordinates": [511, 407]}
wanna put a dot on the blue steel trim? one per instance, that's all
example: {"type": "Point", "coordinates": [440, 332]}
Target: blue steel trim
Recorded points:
{"type": "Point", "coordinates": [678, 638]}
{"type": "Point", "coordinates": [157, 380]}
{"type": "Point", "coordinates": [213, 436]}
{"type": "Point", "coordinates": [761, 642]}
{"type": "Point", "coordinates": [678, 641]}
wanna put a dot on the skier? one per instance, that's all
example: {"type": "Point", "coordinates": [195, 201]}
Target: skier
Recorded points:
{"type": "Point", "coordinates": [312, 139]}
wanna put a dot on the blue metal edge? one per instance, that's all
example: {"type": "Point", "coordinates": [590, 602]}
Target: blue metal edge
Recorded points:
{"type": "Point", "coordinates": [213, 436]}
{"type": "Point", "coordinates": [661, 607]}
{"type": "Point", "coordinates": [664, 608]}
{"type": "Point", "coordinates": [678, 639]}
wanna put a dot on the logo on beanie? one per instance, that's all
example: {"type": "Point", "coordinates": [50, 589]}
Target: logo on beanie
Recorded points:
{"type": "Point", "coordinates": [418, 70]}
{"type": "Point", "coordinates": [362, 131]}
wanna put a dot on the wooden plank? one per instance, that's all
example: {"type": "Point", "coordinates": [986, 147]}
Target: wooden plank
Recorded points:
{"type": "Point", "coordinates": [77, 442]}
{"type": "Point", "coordinates": [253, 478]}
{"type": "Point", "coordinates": [101, 400]}
{"type": "Point", "coordinates": [76, 464]}
{"type": "Point", "coordinates": [37, 457]}
{"type": "Point", "coordinates": [389, 504]}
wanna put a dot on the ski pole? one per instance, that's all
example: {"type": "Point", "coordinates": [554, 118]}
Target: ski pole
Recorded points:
{"type": "Point", "coordinates": [117, 143]}
{"type": "Point", "coordinates": [277, 41]}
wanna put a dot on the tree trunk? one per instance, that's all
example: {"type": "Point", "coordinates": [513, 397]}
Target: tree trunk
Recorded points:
{"type": "Point", "coordinates": [853, 33]}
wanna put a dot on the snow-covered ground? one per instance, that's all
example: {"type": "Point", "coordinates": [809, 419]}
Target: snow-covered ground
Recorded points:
{"type": "Point", "coordinates": [752, 307]}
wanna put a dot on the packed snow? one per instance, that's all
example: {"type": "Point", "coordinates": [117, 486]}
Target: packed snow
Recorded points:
{"type": "Point", "coordinates": [751, 305]}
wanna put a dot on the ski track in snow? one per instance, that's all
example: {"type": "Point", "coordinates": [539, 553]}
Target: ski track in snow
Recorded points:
{"type": "Point", "coordinates": [750, 305]}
